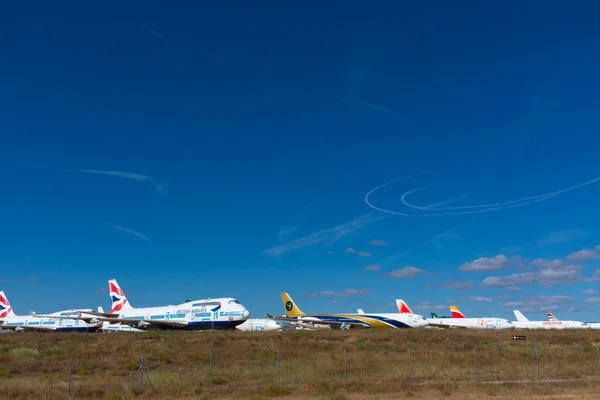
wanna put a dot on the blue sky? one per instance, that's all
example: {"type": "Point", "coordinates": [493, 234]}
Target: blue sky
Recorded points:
{"type": "Point", "coordinates": [226, 150]}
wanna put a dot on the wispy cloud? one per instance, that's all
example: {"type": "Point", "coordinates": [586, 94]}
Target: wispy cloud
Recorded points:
{"type": "Point", "coordinates": [159, 187]}
{"type": "Point", "coordinates": [425, 305]}
{"type": "Point", "coordinates": [152, 31]}
{"type": "Point", "coordinates": [480, 299]}
{"type": "Point", "coordinates": [567, 235]}
{"type": "Point", "coordinates": [376, 242]}
{"type": "Point", "coordinates": [364, 254]}
{"type": "Point", "coordinates": [457, 285]}
{"type": "Point", "coordinates": [133, 232]}
{"type": "Point", "coordinates": [437, 240]}
{"type": "Point", "coordinates": [385, 110]}
{"type": "Point", "coordinates": [485, 264]}
{"type": "Point", "coordinates": [592, 300]}
{"type": "Point", "coordinates": [211, 56]}
{"type": "Point", "coordinates": [375, 267]}
{"type": "Point", "coordinates": [350, 250]}
{"type": "Point", "coordinates": [589, 292]}
{"type": "Point", "coordinates": [345, 293]}
{"type": "Point", "coordinates": [406, 272]}
{"type": "Point", "coordinates": [120, 174]}
{"type": "Point", "coordinates": [542, 303]}
{"type": "Point", "coordinates": [325, 236]}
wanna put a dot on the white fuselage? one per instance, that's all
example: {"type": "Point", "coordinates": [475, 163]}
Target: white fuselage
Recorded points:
{"type": "Point", "coordinates": [222, 313]}
{"type": "Point", "coordinates": [22, 322]}
{"type": "Point", "coordinates": [550, 325]}
{"type": "Point", "coordinates": [474, 323]}
{"type": "Point", "coordinates": [258, 325]}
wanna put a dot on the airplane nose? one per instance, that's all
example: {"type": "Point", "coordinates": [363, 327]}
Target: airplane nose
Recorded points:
{"type": "Point", "coordinates": [246, 314]}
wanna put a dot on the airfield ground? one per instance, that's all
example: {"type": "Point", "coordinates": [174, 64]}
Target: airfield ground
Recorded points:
{"type": "Point", "coordinates": [245, 365]}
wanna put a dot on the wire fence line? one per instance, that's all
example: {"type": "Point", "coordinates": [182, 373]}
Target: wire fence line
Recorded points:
{"type": "Point", "coordinates": [411, 362]}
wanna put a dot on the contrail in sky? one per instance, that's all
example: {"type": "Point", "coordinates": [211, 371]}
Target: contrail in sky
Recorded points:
{"type": "Point", "coordinates": [385, 110]}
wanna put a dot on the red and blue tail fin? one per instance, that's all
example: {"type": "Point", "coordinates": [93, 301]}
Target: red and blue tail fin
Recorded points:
{"type": "Point", "coordinates": [118, 300]}
{"type": "Point", "coordinates": [5, 308]}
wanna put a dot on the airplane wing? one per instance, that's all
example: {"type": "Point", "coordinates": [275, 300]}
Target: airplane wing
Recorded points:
{"type": "Point", "coordinates": [139, 323]}
{"type": "Point", "coordinates": [26, 328]}
{"type": "Point", "coordinates": [320, 322]}
{"type": "Point", "coordinates": [88, 319]}
{"type": "Point", "coordinates": [144, 323]}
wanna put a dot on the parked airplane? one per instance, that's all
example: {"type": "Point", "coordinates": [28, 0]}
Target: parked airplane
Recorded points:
{"type": "Point", "coordinates": [118, 327]}
{"type": "Point", "coordinates": [60, 320]}
{"type": "Point", "coordinates": [458, 320]}
{"type": "Point", "coordinates": [259, 325]}
{"type": "Point", "coordinates": [523, 323]}
{"type": "Point", "coordinates": [219, 313]}
{"type": "Point", "coordinates": [379, 321]}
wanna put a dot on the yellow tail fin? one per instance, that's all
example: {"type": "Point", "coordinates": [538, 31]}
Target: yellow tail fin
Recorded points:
{"type": "Point", "coordinates": [291, 309]}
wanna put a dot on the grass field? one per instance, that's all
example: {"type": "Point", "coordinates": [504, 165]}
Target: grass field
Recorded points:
{"type": "Point", "coordinates": [245, 366]}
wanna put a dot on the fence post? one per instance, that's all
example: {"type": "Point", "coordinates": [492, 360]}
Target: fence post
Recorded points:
{"type": "Point", "coordinates": [142, 375]}
{"type": "Point", "coordinates": [410, 365]}
{"type": "Point", "coordinates": [211, 375]}
{"type": "Point", "coordinates": [278, 369]}
{"type": "Point", "coordinates": [345, 369]}
{"type": "Point", "coordinates": [454, 339]}
{"type": "Point", "coordinates": [537, 357]}
{"type": "Point", "coordinates": [476, 367]}
{"type": "Point", "coordinates": [70, 373]}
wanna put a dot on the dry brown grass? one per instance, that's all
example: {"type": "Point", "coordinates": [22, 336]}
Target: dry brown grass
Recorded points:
{"type": "Point", "coordinates": [312, 365]}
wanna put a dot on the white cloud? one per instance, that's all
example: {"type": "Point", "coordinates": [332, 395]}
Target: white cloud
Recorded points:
{"type": "Point", "coordinates": [589, 292]}
{"type": "Point", "coordinates": [425, 305]}
{"type": "Point", "coordinates": [583, 255]}
{"type": "Point", "coordinates": [406, 272]}
{"type": "Point", "coordinates": [540, 303]}
{"type": "Point", "coordinates": [350, 250]}
{"type": "Point", "coordinates": [436, 240]}
{"type": "Point", "coordinates": [485, 264]}
{"type": "Point", "coordinates": [592, 300]}
{"type": "Point", "coordinates": [376, 242]}
{"type": "Point", "coordinates": [481, 299]}
{"type": "Point", "coordinates": [345, 293]}
{"type": "Point", "coordinates": [364, 254]}
{"type": "Point", "coordinates": [324, 236]}
{"type": "Point", "coordinates": [375, 267]}
{"type": "Point", "coordinates": [458, 285]}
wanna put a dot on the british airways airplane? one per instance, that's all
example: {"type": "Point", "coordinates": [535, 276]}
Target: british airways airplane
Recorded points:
{"type": "Point", "coordinates": [220, 313]}
{"type": "Point", "coordinates": [60, 321]}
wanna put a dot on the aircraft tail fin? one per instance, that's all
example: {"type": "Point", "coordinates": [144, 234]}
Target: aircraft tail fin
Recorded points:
{"type": "Point", "coordinates": [291, 309]}
{"type": "Point", "coordinates": [434, 315]}
{"type": "Point", "coordinates": [520, 316]}
{"type": "Point", "coordinates": [101, 309]}
{"type": "Point", "coordinates": [117, 297]}
{"type": "Point", "coordinates": [5, 308]}
{"type": "Point", "coordinates": [456, 312]}
{"type": "Point", "coordinates": [360, 311]}
{"type": "Point", "coordinates": [551, 317]}
{"type": "Point", "coordinates": [403, 307]}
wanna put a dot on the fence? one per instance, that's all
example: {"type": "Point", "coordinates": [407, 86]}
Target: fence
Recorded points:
{"type": "Point", "coordinates": [281, 363]}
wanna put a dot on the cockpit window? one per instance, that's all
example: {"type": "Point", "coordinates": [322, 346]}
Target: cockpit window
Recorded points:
{"type": "Point", "coordinates": [233, 302]}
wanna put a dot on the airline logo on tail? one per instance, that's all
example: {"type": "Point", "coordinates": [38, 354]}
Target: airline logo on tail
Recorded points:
{"type": "Point", "coordinates": [551, 317]}
{"type": "Point", "coordinates": [117, 297]}
{"type": "Point", "coordinates": [403, 307]}
{"type": "Point", "coordinates": [456, 312]}
{"type": "Point", "coordinates": [5, 308]}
